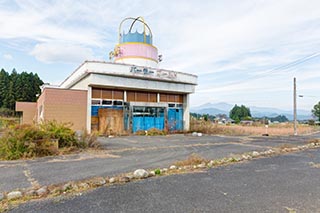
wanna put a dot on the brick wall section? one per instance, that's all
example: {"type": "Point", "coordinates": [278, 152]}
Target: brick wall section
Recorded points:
{"type": "Point", "coordinates": [28, 110]}
{"type": "Point", "coordinates": [65, 105]}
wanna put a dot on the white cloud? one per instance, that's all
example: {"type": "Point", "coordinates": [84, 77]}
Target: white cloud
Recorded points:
{"type": "Point", "coordinates": [221, 41]}
{"type": "Point", "coordinates": [59, 52]}
{"type": "Point", "coordinates": [7, 56]}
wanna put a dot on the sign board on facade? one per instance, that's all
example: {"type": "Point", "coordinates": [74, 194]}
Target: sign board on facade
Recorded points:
{"type": "Point", "coordinates": [144, 71]}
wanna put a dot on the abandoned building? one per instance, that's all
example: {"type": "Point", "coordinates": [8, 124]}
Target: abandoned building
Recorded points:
{"type": "Point", "coordinates": [126, 95]}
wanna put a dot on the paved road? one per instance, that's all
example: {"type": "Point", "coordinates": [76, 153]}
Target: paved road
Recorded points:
{"type": "Point", "coordinates": [286, 183]}
{"type": "Point", "coordinates": [126, 154]}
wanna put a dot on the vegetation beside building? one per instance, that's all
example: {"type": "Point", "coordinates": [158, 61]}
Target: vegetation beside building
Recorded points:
{"type": "Point", "coordinates": [17, 87]}
{"type": "Point", "coordinates": [48, 138]}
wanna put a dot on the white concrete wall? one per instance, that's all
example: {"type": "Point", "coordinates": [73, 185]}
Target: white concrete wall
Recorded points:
{"type": "Point", "coordinates": [186, 112]}
{"type": "Point", "coordinates": [126, 83]}
{"type": "Point", "coordinates": [89, 109]}
{"type": "Point", "coordinates": [124, 70]}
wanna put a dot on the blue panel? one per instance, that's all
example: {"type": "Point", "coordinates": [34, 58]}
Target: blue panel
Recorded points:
{"type": "Point", "coordinates": [159, 123]}
{"type": "Point", "coordinates": [171, 119]}
{"type": "Point", "coordinates": [94, 110]}
{"type": "Point", "coordinates": [148, 123]}
{"type": "Point", "coordinates": [138, 124]}
{"type": "Point", "coordinates": [175, 119]}
{"type": "Point", "coordinates": [179, 119]}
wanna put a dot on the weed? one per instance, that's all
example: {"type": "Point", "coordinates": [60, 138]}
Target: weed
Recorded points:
{"type": "Point", "coordinates": [157, 171]}
{"type": "Point", "coordinates": [27, 141]}
{"type": "Point", "coordinates": [151, 132]}
{"type": "Point", "coordinates": [193, 159]}
{"type": "Point", "coordinates": [89, 140]}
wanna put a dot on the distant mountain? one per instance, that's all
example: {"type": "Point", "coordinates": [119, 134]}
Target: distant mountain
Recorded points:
{"type": "Point", "coordinates": [219, 106]}
{"type": "Point", "coordinates": [211, 111]}
{"type": "Point", "coordinates": [224, 108]}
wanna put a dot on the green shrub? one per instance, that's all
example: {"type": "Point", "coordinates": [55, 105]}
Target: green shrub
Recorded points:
{"type": "Point", "coordinates": [25, 141]}
{"type": "Point", "coordinates": [6, 122]}
{"type": "Point", "coordinates": [157, 171]}
{"type": "Point", "coordinates": [60, 131]}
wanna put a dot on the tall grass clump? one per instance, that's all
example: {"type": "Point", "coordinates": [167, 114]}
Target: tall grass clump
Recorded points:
{"type": "Point", "coordinates": [26, 141]}
{"type": "Point", "coordinates": [60, 131]}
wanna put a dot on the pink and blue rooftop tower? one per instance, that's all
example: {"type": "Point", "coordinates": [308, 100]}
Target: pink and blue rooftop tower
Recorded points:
{"type": "Point", "coordinates": [134, 47]}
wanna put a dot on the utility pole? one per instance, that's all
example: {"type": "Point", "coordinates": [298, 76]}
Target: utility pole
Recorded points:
{"type": "Point", "coordinates": [295, 106]}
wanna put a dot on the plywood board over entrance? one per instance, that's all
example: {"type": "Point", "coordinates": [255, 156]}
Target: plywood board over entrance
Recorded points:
{"type": "Point", "coordinates": [111, 121]}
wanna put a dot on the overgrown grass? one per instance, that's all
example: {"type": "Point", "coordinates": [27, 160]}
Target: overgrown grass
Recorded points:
{"type": "Point", "coordinates": [208, 127]}
{"type": "Point", "coordinates": [6, 122]}
{"type": "Point", "coordinates": [151, 132]}
{"type": "Point", "coordinates": [193, 159]}
{"type": "Point", "coordinates": [48, 138]}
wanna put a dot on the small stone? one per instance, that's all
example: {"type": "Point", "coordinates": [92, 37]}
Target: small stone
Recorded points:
{"type": "Point", "coordinates": [199, 134]}
{"type": "Point", "coordinates": [84, 185]}
{"type": "Point", "coordinates": [152, 173]}
{"type": "Point", "coordinates": [164, 170]}
{"type": "Point", "coordinates": [31, 193]}
{"type": "Point", "coordinates": [201, 166]}
{"type": "Point", "coordinates": [255, 153]}
{"type": "Point", "coordinates": [140, 173]}
{"type": "Point", "coordinates": [194, 166]}
{"type": "Point", "coordinates": [42, 191]}
{"type": "Point", "coordinates": [211, 163]}
{"type": "Point", "coordinates": [112, 180]}
{"type": "Point", "coordinates": [14, 195]}
{"type": "Point", "coordinates": [124, 179]}
{"type": "Point", "coordinates": [98, 182]}
{"type": "Point", "coordinates": [173, 167]}
{"type": "Point", "coordinates": [194, 134]}
{"type": "Point", "coordinates": [1, 196]}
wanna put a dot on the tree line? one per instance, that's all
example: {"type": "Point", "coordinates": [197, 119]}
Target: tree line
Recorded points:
{"type": "Point", "coordinates": [18, 87]}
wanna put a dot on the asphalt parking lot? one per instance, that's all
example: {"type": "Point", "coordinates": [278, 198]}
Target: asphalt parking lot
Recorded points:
{"type": "Point", "coordinates": [285, 183]}
{"type": "Point", "coordinates": [126, 154]}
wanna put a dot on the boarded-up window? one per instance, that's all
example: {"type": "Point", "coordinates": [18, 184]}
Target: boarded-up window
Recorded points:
{"type": "Point", "coordinates": [96, 93]}
{"type": "Point", "coordinates": [180, 99]}
{"type": "Point", "coordinates": [163, 97]}
{"type": "Point", "coordinates": [106, 94]}
{"type": "Point", "coordinates": [118, 94]}
{"type": "Point", "coordinates": [152, 97]}
{"type": "Point", "coordinates": [131, 96]}
{"type": "Point", "coordinates": [142, 96]}
{"type": "Point", "coordinates": [171, 98]}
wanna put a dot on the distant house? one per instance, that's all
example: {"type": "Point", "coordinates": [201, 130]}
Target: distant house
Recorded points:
{"type": "Point", "coordinates": [246, 122]}
{"type": "Point", "coordinates": [223, 120]}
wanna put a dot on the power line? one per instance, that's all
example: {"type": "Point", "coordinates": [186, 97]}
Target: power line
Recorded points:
{"type": "Point", "coordinates": [281, 68]}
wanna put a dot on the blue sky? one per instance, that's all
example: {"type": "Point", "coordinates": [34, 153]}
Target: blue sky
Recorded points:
{"type": "Point", "coordinates": [244, 52]}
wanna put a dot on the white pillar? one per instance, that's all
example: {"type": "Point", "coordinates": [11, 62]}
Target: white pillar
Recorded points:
{"type": "Point", "coordinates": [89, 109]}
{"type": "Point", "coordinates": [158, 97]}
{"type": "Point", "coordinates": [124, 96]}
{"type": "Point", "coordinates": [186, 112]}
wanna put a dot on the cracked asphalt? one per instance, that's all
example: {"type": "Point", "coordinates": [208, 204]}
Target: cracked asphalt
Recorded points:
{"type": "Point", "coordinates": [284, 183]}
{"type": "Point", "coordinates": [125, 154]}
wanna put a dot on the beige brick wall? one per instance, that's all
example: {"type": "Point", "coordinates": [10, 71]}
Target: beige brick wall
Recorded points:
{"type": "Point", "coordinates": [65, 105]}
{"type": "Point", "coordinates": [28, 110]}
